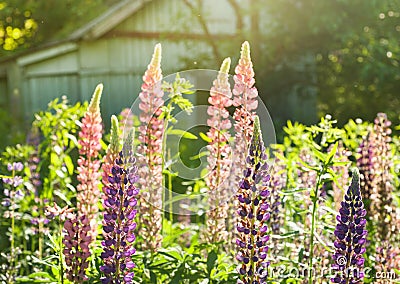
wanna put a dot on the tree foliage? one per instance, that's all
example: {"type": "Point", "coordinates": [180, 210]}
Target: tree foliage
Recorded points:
{"type": "Point", "coordinates": [24, 24]}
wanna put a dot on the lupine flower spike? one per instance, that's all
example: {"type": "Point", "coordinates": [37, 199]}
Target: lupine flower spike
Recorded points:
{"type": "Point", "coordinates": [350, 236]}
{"type": "Point", "coordinates": [245, 100]}
{"type": "Point", "coordinates": [253, 211]}
{"type": "Point", "coordinates": [219, 157]}
{"type": "Point", "coordinates": [88, 164]}
{"type": "Point", "coordinates": [150, 160]}
{"type": "Point", "coordinates": [119, 215]}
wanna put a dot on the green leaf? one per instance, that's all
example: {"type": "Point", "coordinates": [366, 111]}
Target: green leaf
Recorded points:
{"type": "Point", "coordinates": [321, 156]}
{"type": "Point", "coordinates": [332, 153]}
{"type": "Point", "coordinates": [54, 160]}
{"type": "Point", "coordinates": [172, 254]}
{"type": "Point", "coordinates": [182, 133]}
{"type": "Point", "coordinates": [211, 259]}
{"type": "Point", "coordinates": [205, 137]}
{"type": "Point", "coordinates": [69, 164]}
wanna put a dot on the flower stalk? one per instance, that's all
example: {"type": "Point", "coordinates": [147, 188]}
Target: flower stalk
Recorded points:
{"type": "Point", "coordinates": [88, 164]}
{"type": "Point", "coordinates": [350, 235]}
{"type": "Point", "coordinates": [253, 212]}
{"type": "Point", "coordinates": [220, 151]}
{"type": "Point", "coordinates": [150, 154]}
{"type": "Point", "coordinates": [118, 223]}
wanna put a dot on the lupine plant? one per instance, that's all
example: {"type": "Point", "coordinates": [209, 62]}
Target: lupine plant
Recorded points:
{"type": "Point", "coordinates": [119, 218]}
{"type": "Point", "coordinates": [254, 212]}
{"type": "Point", "coordinates": [88, 164]}
{"type": "Point", "coordinates": [245, 100]}
{"type": "Point", "coordinates": [292, 217]}
{"type": "Point", "coordinates": [150, 160]}
{"type": "Point", "coordinates": [351, 236]}
{"type": "Point", "coordinates": [220, 151]}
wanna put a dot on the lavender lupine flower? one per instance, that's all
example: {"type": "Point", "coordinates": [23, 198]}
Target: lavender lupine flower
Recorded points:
{"type": "Point", "coordinates": [15, 180]}
{"type": "Point", "coordinates": [351, 236]}
{"type": "Point", "coordinates": [365, 165]}
{"type": "Point", "coordinates": [13, 196]}
{"type": "Point", "coordinates": [88, 162]}
{"type": "Point", "coordinates": [76, 247]}
{"type": "Point", "coordinates": [126, 120]}
{"type": "Point", "coordinates": [33, 162]}
{"type": "Point", "coordinates": [119, 224]}
{"type": "Point", "coordinates": [382, 207]}
{"type": "Point", "coordinates": [253, 213]}
{"type": "Point", "coordinates": [277, 184]}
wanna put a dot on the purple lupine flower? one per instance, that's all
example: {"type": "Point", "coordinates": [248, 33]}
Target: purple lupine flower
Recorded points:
{"type": "Point", "coordinates": [253, 213]}
{"type": "Point", "coordinates": [18, 166]}
{"type": "Point", "coordinates": [350, 236]}
{"type": "Point", "coordinates": [119, 225]}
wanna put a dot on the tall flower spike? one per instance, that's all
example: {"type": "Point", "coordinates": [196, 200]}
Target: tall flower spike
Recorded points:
{"type": "Point", "coordinates": [151, 133]}
{"type": "Point", "coordinates": [88, 164]}
{"type": "Point", "coordinates": [253, 211]}
{"type": "Point", "coordinates": [220, 151]}
{"type": "Point", "coordinates": [382, 207]}
{"type": "Point", "coordinates": [245, 100]}
{"type": "Point", "coordinates": [119, 220]}
{"type": "Point", "coordinates": [350, 235]}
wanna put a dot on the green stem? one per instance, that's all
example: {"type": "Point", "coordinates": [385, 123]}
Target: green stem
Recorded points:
{"type": "Point", "coordinates": [12, 237]}
{"type": "Point", "coordinates": [61, 253]}
{"type": "Point", "coordinates": [171, 215]}
{"type": "Point", "coordinates": [40, 230]}
{"type": "Point", "coordinates": [318, 184]}
{"type": "Point", "coordinates": [12, 243]}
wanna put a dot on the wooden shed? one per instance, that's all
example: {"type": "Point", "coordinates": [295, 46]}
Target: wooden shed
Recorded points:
{"type": "Point", "coordinates": [114, 49]}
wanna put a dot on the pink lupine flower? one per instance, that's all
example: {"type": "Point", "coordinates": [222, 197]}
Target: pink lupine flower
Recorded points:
{"type": "Point", "coordinates": [245, 100]}
{"type": "Point", "coordinates": [220, 151]}
{"type": "Point", "coordinates": [244, 92]}
{"type": "Point", "coordinates": [150, 160]}
{"type": "Point", "coordinates": [88, 164]}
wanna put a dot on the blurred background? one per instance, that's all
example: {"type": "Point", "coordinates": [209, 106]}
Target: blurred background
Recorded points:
{"type": "Point", "coordinates": [311, 57]}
